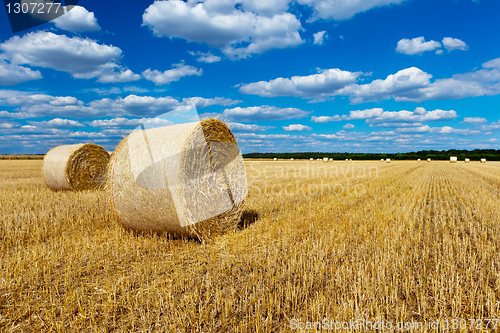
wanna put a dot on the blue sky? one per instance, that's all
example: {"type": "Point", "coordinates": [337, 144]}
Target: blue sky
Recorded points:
{"type": "Point", "coordinates": [309, 75]}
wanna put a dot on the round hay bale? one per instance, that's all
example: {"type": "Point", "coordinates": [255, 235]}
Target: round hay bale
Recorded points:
{"type": "Point", "coordinates": [75, 167]}
{"type": "Point", "coordinates": [187, 180]}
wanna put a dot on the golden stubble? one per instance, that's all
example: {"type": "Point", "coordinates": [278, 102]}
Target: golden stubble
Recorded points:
{"type": "Point", "coordinates": [406, 242]}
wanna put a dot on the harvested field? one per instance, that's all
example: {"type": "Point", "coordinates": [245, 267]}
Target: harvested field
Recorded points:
{"type": "Point", "coordinates": [399, 242]}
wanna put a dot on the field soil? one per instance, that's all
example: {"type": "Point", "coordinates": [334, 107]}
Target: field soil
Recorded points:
{"type": "Point", "coordinates": [319, 244]}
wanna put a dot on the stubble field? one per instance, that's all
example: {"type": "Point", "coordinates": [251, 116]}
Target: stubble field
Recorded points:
{"type": "Point", "coordinates": [404, 242]}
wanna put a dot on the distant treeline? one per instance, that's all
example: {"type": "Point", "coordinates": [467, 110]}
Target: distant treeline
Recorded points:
{"type": "Point", "coordinates": [473, 155]}
{"type": "Point", "coordinates": [22, 157]}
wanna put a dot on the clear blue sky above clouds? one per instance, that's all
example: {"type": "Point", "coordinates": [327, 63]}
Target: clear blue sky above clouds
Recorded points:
{"type": "Point", "coordinates": [309, 75]}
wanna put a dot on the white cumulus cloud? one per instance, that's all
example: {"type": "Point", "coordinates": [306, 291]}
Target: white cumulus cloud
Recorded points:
{"type": "Point", "coordinates": [319, 37]}
{"type": "Point", "coordinates": [263, 113]}
{"type": "Point", "coordinates": [409, 84]}
{"type": "Point", "coordinates": [438, 130]}
{"type": "Point", "coordinates": [56, 123]}
{"type": "Point", "coordinates": [41, 105]}
{"type": "Point", "coordinates": [9, 125]}
{"type": "Point", "coordinates": [78, 19]}
{"type": "Point", "coordinates": [12, 74]}
{"type": "Point", "coordinates": [123, 76]}
{"type": "Point", "coordinates": [297, 128]}
{"type": "Point", "coordinates": [126, 122]}
{"type": "Point", "coordinates": [403, 85]}
{"type": "Point", "coordinates": [419, 115]}
{"type": "Point", "coordinates": [239, 127]}
{"type": "Point", "coordinates": [176, 73]}
{"type": "Point", "coordinates": [16, 115]}
{"type": "Point", "coordinates": [82, 58]}
{"type": "Point", "coordinates": [454, 44]}
{"type": "Point", "coordinates": [239, 33]}
{"type": "Point", "coordinates": [207, 57]}
{"type": "Point", "coordinates": [377, 117]}
{"type": "Point", "coordinates": [474, 120]}
{"type": "Point", "coordinates": [135, 105]}
{"type": "Point", "coordinates": [327, 119]}
{"type": "Point", "coordinates": [416, 45]}
{"type": "Point", "coordinates": [200, 102]}
{"type": "Point", "coordinates": [325, 83]}
{"type": "Point", "coordinates": [340, 10]}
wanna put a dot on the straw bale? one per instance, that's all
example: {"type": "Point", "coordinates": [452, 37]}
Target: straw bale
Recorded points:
{"type": "Point", "coordinates": [187, 180]}
{"type": "Point", "coordinates": [75, 167]}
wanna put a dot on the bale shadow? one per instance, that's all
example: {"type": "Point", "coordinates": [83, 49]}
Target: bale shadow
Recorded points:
{"type": "Point", "coordinates": [248, 218]}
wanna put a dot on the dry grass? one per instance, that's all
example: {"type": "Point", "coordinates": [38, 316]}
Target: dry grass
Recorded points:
{"type": "Point", "coordinates": [419, 242]}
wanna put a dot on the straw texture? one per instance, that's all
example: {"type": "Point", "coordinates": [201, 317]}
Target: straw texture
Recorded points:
{"type": "Point", "coordinates": [187, 180]}
{"type": "Point", "coordinates": [75, 167]}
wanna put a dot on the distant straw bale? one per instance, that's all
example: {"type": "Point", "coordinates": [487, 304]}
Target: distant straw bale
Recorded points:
{"type": "Point", "coordinates": [75, 167]}
{"type": "Point", "coordinates": [186, 180]}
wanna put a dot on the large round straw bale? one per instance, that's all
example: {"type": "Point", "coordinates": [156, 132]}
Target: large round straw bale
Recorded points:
{"type": "Point", "coordinates": [186, 180]}
{"type": "Point", "coordinates": [75, 167]}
